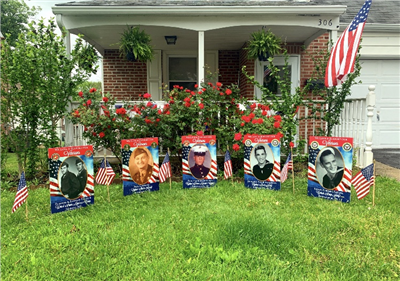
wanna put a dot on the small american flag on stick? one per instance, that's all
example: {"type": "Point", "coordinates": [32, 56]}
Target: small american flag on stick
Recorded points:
{"type": "Point", "coordinates": [363, 180]}
{"type": "Point", "coordinates": [165, 170]}
{"type": "Point", "coordinates": [22, 193]}
{"type": "Point", "coordinates": [227, 165]}
{"type": "Point", "coordinates": [105, 175]}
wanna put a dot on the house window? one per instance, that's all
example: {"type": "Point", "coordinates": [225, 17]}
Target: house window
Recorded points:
{"type": "Point", "coordinates": [182, 71]}
{"type": "Point", "coordinates": [263, 75]}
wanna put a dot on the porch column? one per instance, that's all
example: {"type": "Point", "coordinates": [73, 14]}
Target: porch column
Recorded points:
{"type": "Point", "coordinates": [332, 37]}
{"type": "Point", "coordinates": [69, 132]}
{"type": "Point", "coordinates": [200, 69]}
{"type": "Point", "coordinates": [368, 154]}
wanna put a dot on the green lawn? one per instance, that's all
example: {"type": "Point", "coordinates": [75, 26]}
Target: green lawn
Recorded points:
{"type": "Point", "coordinates": [226, 232]}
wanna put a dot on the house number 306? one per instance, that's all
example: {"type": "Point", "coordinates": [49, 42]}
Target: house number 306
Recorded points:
{"type": "Point", "coordinates": [324, 22]}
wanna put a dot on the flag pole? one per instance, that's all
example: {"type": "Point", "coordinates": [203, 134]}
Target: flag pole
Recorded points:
{"type": "Point", "coordinates": [291, 159]}
{"type": "Point", "coordinates": [373, 188]}
{"type": "Point", "coordinates": [170, 178]}
{"type": "Point", "coordinates": [26, 200]}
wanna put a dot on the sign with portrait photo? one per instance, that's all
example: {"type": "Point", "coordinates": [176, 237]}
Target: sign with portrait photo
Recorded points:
{"type": "Point", "coordinates": [262, 156]}
{"type": "Point", "coordinates": [330, 167]}
{"type": "Point", "coordinates": [199, 161]}
{"type": "Point", "coordinates": [71, 177]}
{"type": "Point", "coordinates": [140, 165]}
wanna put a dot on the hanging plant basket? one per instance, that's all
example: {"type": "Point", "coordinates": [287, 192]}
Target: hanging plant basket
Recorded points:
{"type": "Point", "coordinates": [135, 45]}
{"type": "Point", "coordinates": [263, 44]}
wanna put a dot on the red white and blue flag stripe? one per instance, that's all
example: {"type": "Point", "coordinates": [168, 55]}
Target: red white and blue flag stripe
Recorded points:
{"type": "Point", "coordinates": [227, 165]}
{"type": "Point", "coordinates": [165, 170]}
{"type": "Point", "coordinates": [363, 181]}
{"type": "Point", "coordinates": [288, 165]}
{"type": "Point", "coordinates": [343, 54]}
{"type": "Point", "coordinates": [22, 193]}
{"type": "Point", "coordinates": [276, 172]}
{"type": "Point", "coordinates": [105, 175]}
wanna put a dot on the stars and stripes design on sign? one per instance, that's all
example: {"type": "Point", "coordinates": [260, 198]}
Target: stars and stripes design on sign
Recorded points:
{"type": "Point", "coordinates": [89, 189]}
{"type": "Point", "coordinates": [312, 174]}
{"type": "Point", "coordinates": [165, 170]}
{"type": "Point", "coordinates": [22, 193]}
{"type": "Point", "coordinates": [212, 174]}
{"type": "Point", "coordinates": [154, 175]}
{"type": "Point", "coordinates": [126, 154]}
{"type": "Point", "coordinates": [345, 184]}
{"type": "Point", "coordinates": [288, 165]}
{"type": "Point", "coordinates": [227, 165]}
{"type": "Point", "coordinates": [247, 166]}
{"type": "Point", "coordinates": [363, 180]}
{"type": "Point", "coordinates": [54, 187]}
{"type": "Point", "coordinates": [276, 172]}
{"type": "Point", "coordinates": [344, 53]}
{"type": "Point", "coordinates": [185, 163]}
{"type": "Point", "coordinates": [105, 175]}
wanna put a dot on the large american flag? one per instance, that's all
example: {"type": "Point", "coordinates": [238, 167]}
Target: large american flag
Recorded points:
{"type": "Point", "coordinates": [105, 175]}
{"type": "Point", "coordinates": [22, 193]}
{"type": "Point", "coordinates": [165, 170]}
{"type": "Point", "coordinates": [363, 180]}
{"type": "Point", "coordinates": [227, 165]}
{"type": "Point", "coordinates": [286, 168]}
{"type": "Point", "coordinates": [343, 54]}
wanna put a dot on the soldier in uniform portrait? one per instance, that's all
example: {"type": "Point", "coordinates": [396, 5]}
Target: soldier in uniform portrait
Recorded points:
{"type": "Point", "coordinates": [334, 173]}
{"type": "Point", "coordinates": [141, 160]}
{"type": "Point", "coordinates": [82, 174]}
{"type": "Point", "coordinates": [263, 169]}
{"type": "Point", "coordinates": [70, 186]}
{"type": "Point", "coordinates": [198, 170]}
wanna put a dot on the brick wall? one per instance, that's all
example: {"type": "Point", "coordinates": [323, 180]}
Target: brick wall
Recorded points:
{"type": "Point", "coordinates": [228, 64]}
{"type": "Point", "coordinates": [123, 79]}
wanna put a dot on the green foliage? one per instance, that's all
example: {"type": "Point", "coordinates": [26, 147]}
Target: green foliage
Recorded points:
{"type": "Point", "coordinates": [263, 44]}
{"type": "Point", "coordinates": [15, 16]}
{"type": "Point", "coordinates": [227, 232]}
{"type": "Point", "coordinates": [284, 104]}
{"type": "Point", "coordinates": [38, 79]}
{"type": "Point", "coordinates": [135, 44]}
{"type": "Point", "coordinates": [334, 97]}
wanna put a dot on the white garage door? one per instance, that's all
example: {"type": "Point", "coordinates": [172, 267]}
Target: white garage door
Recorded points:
{"type": "Point", "coordinates": [385, 75]}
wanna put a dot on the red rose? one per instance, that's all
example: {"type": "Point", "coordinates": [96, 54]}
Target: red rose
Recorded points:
{"type": "Point", "coordinates": [279, 135]}
{"type": "Point", "coordinates": [238, 136]}
{"type": "Point", "coordinates": [219, 84]}
{"type": "Point", "coordinates": [236, 147]}
{"type": "Point", "coordinates": [187, 104]}
{"type": "Point", "coordinates": [113, 119]}
{"type": "Point", "coordinates": [77, 113]}
{"type": "Point", "coordinates": [147, 96]}
{"type": "Point", "coordinates": [200, 133]}
{"type": "Point", "coordinates": [94, 134]}
{"type": "Point", "coordinates": [254, 121]}
{"type": "Point", "coordinates": [200, 92]}
{"type": "Point", "coordinates": [187, 91]}
{"type": "Point", "coordinates": [264, 113]}
{"type": "Point", "coordinates": [149, 104]}
{"type": "Point", "coordinates": [242, 124]}
{"type": "Point", "coordinates": [196, 86]}
{"type": "Point", "coordinates": [148, 121]}
{"type": "Point", "coordinates": [260, 120]}
{"type": "Point", "coordinates": [221, 93]}
{"type": "Point", "coordinates": [171, 101]}
{"type": "Point", "coordinates": [121, 111]}
{"type": "Point", "coordinates": [201, 105]}
{"type": "Point", "coordinates": [105, 99]}
{"type": "Point", "coordinates": [167, 113]}
{"type": "Point", "coordinates": [186, 99]}
{"type": "Point", "coordinates": [89, 102]}
{"type": "Point", "coordinates": [253, 106]}
{"type": "Point", "coordinates": [228, 91]}
{"type": "Point", "coordinates": [291, 144]}
{"type": "Point", "coordinates": [158, 119]}
{"type": "Point", "coordinates": [85, 129]}
{"type": "Point", "coordinates": [159, 111]}
{"type": "Point", "coordinates": [278, 118]}
{"type": "Point", "coordinates": [252, 115]}
{"type": "Point", "coordinates": [101, 135]}
{"type": "Point", "coordinates": [92, 90]}
{"type": "Point", "coordinates": [277, 124]}
{"type": "Point", "coordinates": [80, 94]}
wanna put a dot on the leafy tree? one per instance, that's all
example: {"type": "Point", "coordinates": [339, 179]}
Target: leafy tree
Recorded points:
{"type": "Point", "coordinates": [15, 16]}
{"type": "Point", "coordinates": [38, 80]}
{"type": "Point", "coordinates": [334, 98]}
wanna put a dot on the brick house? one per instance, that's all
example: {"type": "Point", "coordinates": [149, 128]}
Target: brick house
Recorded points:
{"type": "Point", "coordinates": [214, 33]}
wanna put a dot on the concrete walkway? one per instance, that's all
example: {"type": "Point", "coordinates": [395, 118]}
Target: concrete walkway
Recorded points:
{"type": "Point", "coordinates": [387, 162]}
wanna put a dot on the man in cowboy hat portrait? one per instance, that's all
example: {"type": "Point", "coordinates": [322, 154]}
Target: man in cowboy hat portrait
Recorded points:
{"type": "Point", "coordinates": [139, 166]}
{"type": "Point", "coordinates": [198, 170]}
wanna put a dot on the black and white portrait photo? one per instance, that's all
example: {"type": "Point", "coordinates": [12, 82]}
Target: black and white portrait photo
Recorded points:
{"type": "Point", "coordinates": [329, 167]}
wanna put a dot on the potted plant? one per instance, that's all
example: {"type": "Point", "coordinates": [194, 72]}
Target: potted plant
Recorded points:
{"type": "Point", "coordinates": [135, 45]}
{"type": "Point", "coordinates": [263, 44]}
